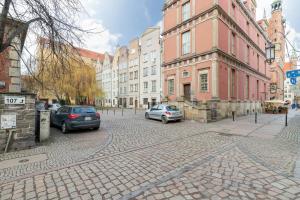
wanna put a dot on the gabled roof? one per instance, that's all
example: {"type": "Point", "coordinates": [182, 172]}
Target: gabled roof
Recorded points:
{"type": "Point", "coordinates": [90, 54]}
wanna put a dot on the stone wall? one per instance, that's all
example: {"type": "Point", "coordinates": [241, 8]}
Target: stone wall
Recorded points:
{"type": "Point", "coordinates": [24, 133]}
{"type": "Point", "coordinates": [216, 110]}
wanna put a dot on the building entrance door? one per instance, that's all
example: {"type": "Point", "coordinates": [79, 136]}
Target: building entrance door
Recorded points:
{"type": "Point", "coordinates": [187, 91]}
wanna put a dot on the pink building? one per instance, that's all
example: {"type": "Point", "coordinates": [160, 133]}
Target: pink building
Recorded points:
{"type": "Point", "coordinates": [214, 53]}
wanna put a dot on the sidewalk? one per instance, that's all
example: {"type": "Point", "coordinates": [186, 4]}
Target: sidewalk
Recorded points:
{"type": "Point", "coordinates": [267, 126]}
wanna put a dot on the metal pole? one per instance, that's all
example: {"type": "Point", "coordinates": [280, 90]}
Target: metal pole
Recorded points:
{"type": "Point", "coordinates": [114, 111]}
{"type": "Point", "coordinates": [8, 141]}
{"type": "Point", "coordinates": [135, 109]}
{"type": "Point", "coordinates": [107, 110]}
{"type": "Point", "coordinates": [233, 116]}
{"type": "Point", "coordinates": [255, 117]}
{"type": "Point", "coordinates": [286, 118]}
{"type": "Point", "coordinates": [122, 111]}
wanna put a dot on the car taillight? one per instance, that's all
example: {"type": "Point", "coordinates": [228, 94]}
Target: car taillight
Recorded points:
{"type": "Point", "coordinates": [168, 113]}
{"type": "Point", "coordinates": [73, 116]}
{"type": "Point", "coordinates": [98, 115]}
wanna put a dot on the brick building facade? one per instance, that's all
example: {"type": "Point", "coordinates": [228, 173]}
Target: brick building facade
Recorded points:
{"type": "Point", "coordinates": [214, 52]}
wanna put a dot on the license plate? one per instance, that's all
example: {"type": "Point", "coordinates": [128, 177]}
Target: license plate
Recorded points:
{"type": "Point", "coordinates": [87, 118]}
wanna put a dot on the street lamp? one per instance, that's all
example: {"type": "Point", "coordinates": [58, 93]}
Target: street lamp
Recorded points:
{"type": "Point", "coordinates": [270, 52]}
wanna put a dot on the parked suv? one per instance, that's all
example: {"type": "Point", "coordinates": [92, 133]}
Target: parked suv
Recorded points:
{"type": "Point", "coordinates": [70, 118]}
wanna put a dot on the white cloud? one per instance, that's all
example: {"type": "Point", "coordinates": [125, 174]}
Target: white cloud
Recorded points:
{"type": "Point", "coordinates": [101, 39]}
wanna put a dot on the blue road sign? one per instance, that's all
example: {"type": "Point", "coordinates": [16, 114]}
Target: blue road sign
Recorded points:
{"type": "Point", "coordinates": [293, 81]}
{"type": "Point", "coordinates": [293, 73]}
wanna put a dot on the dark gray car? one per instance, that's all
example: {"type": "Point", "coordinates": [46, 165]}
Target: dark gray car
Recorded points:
{"type": "Point", "coordinates": [76, 117]}
{"type": "Point", "coordinates": [165, 113]}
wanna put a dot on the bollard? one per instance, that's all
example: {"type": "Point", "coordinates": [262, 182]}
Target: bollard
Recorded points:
{"type": "Point", "coordinates": [122, 111]}
{"type": "Point", "coordinates": [286, 118]}
{"type": "Point", "coordinates": [107, 110]}
{"type": "Point", "coordinates": [233, 116]}
{"type": "Point", "coordinates": [184, 114]}
{"type": "Point", "coordinates": [255, 117]}
{"type": "Point", "coordinates": [102, 110]}
{"type": "Point", "coordinates": [114, 111]}
{"type": "Point", "coordinates": [135, 110]}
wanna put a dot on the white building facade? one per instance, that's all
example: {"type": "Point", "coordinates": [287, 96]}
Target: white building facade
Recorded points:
{"type": "Point", "coordinates": [106, 80]}
{"type": "Point", "coordinates": [123, 77]}
{"type": "Point", "coordinates": [150, 68]}
{"type": "Point", "coordinates": [133, 72]}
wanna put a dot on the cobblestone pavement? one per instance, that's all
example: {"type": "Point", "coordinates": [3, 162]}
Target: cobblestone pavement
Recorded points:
{"type": "Point", "coordinates": [144, 159]}
{"type": "Point", "coordinates": [60, 150]}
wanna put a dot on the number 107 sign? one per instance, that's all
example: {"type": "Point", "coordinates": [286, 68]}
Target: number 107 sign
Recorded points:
{"type": "Point", "coordinates": [12, 100]}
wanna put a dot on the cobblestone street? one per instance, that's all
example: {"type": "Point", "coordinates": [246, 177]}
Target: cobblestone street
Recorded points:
{"type": "Point", "coordinates": [134, 158]}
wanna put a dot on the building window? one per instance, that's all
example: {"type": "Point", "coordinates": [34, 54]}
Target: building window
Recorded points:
{"type": "Point", "coordinates": [153, 70]}
{"type": "Point", "coordinates": [145, 71]}
{"type": "Point", "coordinates": [131, 101]}
{"type": "Point", "coordinates": [153, 86]}
{"type": "Point", "coordinates": [145, 101]}
{"type": "Point", "coordinates": [247, 87]}
{"type": "Point", "coordinates": [203, 80]}
{"type": "Point", "coordinates": [257, 90]}
{"type": "Point", "coordinates": [233, 83]}
{"type": "Point", "coordinates": [186, 42]}
{"type": "Point", "coordinates": [131, 88]}
{"type": "Point", "coordinates": [248, 54]}
{"type": "Point", "coordinates": [233, 43]}
{"type": "Point", "coordinates": [185, 74]}
{"type": "Point", "coordinates": [258, 63]}
{"type": "Point", "coordinates": [145, 57]}
{"type": "Point", "coordinates": [171, 87]}
{"type": "Point", "coordinates": [186, 11]}
{"type": "Point", "coordinates": [136, 73]}
{"type": "Point", "coordinates": [136, 87]}
{"type": "Point", "coordinates": [145, 87]}
{"type": "Point", "coordinates": [233, 14]}
{"type": "Point", "coordinates": [248, 28]}
{"type": "Point", "coordinates": [131, 75]}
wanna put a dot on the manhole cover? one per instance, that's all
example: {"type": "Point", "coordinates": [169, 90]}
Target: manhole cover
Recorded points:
{"type": "Point", "coordinates": [24, 161]}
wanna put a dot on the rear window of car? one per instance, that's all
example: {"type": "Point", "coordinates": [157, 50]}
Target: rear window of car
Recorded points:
{"type": "Point", "coordinates": [83, 110]}
{"type": "Point", "coordinates": [172, 108]}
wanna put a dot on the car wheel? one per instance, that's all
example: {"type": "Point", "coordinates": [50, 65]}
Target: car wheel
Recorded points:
{"type": "Point", "coordinates": [147, 116]}
{"type": "Point", "coordinates": [64, 128]}
{"type": "Point", "coordinates": [164, 120]}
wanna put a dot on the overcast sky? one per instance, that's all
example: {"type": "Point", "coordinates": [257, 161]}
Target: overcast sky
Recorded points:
{"type": "Point", "coordinates": [124, 20]}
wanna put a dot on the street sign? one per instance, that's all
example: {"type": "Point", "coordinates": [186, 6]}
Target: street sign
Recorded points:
{"type": "Point", "coordinates": [293, 81]}
{"type": "Point", "coordinates": [8, 121]}
{"type": "Point", "coordinates": [293, 74]}
{"type": "Point", "coordinates": [14, 100]}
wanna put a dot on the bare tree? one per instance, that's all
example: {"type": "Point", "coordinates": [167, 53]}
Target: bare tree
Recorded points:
{"type": "Point", "coordinates": [52, 19]}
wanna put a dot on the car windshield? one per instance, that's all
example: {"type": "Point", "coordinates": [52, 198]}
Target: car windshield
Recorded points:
{"type": "Point", "coordinates": [172, 108]}
{"type": "Point", "coordinates": [79, 110]}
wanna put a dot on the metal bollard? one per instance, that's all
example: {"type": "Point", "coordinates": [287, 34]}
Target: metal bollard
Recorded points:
{"type": "Point", "coordinates": [286, 118]}
{"type": "Point", "coordinates": [107, 110]}
{"type": "Point", "coordinates": [114, 111]}
{"type": "Point", "coordinates": [255, 117]}
{"type": "Point", "coordinates": [122, 111]}
{"type": "Point", "coordinates": [233, 119]}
